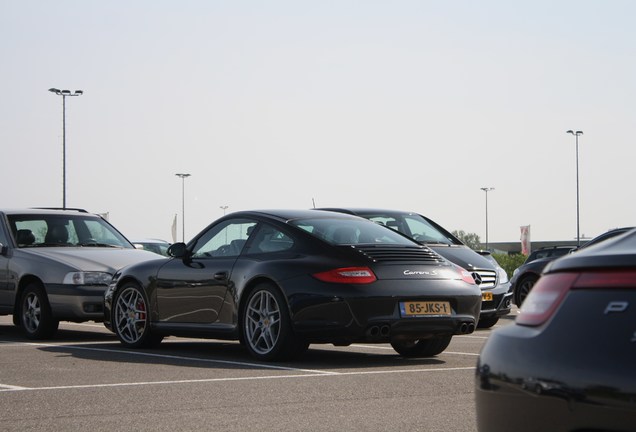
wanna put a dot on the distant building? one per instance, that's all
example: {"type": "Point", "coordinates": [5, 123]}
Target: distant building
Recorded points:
{"type": "Point", "coordinates": [515, 247]}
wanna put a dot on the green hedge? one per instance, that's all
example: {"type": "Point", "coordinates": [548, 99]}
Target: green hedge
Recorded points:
{"type": "Point", "coordinates": [509, 262]}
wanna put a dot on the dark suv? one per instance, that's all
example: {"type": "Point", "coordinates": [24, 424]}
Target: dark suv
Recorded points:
{"type": "Point", "coordinates": [491, 278]}
{"type": "Point", "coordinates": [526, 275]}
{"type": "Point", "coordinates": [55, 265]}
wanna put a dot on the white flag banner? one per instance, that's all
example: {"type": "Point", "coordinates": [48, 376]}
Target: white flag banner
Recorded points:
{"type": "Point", "coordinates": [174, 229]}
{"type": "Point", "coordinates": [525, 240]}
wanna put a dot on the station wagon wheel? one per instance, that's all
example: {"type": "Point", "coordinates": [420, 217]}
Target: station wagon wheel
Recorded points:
{"type": "Point", "coordinates": [36, 318]}
{"type": "Point", "coordinates": [131, 318]}
{"type": "Point", "coordinates": [421, 347]}
{"type": "Point", "coordinates": [266, 326]}
{"type": "Point", "coordinates": [524, 288]}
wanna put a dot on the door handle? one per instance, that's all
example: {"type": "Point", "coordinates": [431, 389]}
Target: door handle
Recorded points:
{"type": "Point", "coordinates": [220, 276]}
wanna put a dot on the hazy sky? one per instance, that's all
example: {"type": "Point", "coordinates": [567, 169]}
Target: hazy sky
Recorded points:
{"type": "Point", "coordinates": [411, 105]}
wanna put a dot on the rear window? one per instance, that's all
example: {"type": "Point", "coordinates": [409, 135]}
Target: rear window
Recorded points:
{"type": "Point", "coordinates": [548, 253]}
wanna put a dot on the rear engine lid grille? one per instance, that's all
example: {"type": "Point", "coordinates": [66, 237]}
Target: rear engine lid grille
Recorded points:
{"type": "Point", "coordinates": [399, 253]}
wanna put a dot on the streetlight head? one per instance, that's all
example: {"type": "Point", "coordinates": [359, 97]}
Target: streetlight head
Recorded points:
{"type": "Point", "coordinates": [579, 132]}
{"type": "Point", "coordinates": [487, 189]}
{"type": "Point", "coordinates": [54, 90]}
{"type": "Point", "coordinates": [182, 175]}
{"type": "Point", "coordinates": [79, 92]}
{"type": "Point", "coordinates": [570, 132]}
{"type": "Point", "coordinates": [66, 92]}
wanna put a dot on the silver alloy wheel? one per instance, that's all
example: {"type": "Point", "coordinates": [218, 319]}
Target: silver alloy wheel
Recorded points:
{"type": "Point", "coordinates": [32, 313]}
{"type": "Point", "coordinates": [262, 322]}
{"type": "Point", "coordinates": [130, 315]}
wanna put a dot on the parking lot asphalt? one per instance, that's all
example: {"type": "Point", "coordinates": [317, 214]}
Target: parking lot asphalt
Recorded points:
{"type": "Point", "coordinates": [84, 379]}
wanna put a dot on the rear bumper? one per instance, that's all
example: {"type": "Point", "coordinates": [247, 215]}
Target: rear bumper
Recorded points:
{"type": "Point", "coordinates": [517, 389]}
{"type": "Point", "coordinates": [377, 318]}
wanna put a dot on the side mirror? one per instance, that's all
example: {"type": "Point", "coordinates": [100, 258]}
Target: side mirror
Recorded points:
{"type": "Point", "coordinates": [178, 250]}
{"type": "Point", "coordinates": [3, 249]}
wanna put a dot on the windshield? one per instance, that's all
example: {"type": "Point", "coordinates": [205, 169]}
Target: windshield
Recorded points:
{"type": "Point", "coordinates": [350, 231]}
{"type": "Point", "coordinates": [48, 230]}
{"type": "Point", "coordinates": [414, 226]}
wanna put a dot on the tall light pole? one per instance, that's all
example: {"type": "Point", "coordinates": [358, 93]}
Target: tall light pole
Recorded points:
{"type": "Point", "coordinates": [576, 137]}
{"type": "Point", "coordinates": [183, 177]}
{"type": "Point", "coordinates": [64, 94]}
{"type": "Point", "coordinates": [487, 189]}
{"type": "Point", "coordinates": [223, 208]}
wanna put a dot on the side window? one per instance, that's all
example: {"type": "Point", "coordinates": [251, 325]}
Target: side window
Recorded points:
{"type": "Point", "coordinates": [3, 236]}
{"type": "Point", "coordinates": [269, 239]}
{"type": "Point", "coordinates": [30, 231]}
{"type": "Point", "coordinates": [224, 240]}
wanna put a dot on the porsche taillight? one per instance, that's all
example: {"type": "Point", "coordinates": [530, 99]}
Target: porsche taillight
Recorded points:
{"type": "Point", "coordinates": [607, 279]}
{"type": "Point", "coordinates": [464, 274]}
{"type": "Point", "coordinates": [546, 295]}
{"type": "Point", "coordinates": [347, 275]}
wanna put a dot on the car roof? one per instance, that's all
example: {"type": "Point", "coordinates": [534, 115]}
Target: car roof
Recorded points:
{"type": "Point", "coordinates": [619, 251]}
{"type": "Point", "coordinates": [290, 214]}
{"type": "Point", "coordinates": [45, 210]}
{"type": "Point", "coordinates": [364, 210]}
{"type": "Point", "coordinates": [606, 235]}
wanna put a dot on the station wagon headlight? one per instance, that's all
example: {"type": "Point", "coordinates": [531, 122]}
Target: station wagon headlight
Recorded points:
{"type": "Point", "coordinates": [503, 276]}
{"type": "Point", "coordinates": [87, 278]}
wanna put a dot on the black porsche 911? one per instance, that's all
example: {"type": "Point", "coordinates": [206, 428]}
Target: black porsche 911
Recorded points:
{"type": "Point", "coordinates": [280, 280]}
{"type": "Point", "coordinates": [567, 364]}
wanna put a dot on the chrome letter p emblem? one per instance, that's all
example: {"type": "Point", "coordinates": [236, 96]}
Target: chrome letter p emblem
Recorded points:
{"type": "Point", "coordinates": [616, 307]}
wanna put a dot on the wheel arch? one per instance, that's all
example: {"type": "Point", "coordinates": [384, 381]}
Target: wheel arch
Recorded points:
{"type": "Point", "coordinates": [25, 281]}
{"type": "Point", "coordinates": [131, 279]}
{"type": "Point", "coordinates": [245, 293]}
{"type": "Point", "coordinates": [530, 275]}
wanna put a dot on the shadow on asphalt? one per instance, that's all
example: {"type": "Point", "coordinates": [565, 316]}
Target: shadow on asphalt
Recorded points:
{"type": "Point", "coordinates": [231, 355]}
{"type": "Point", "coordinates": [11, 333]}
{"type": "Point", "coordinates": [205, 353]}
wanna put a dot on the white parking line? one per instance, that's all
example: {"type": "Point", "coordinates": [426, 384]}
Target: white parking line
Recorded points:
{"type": "Point", "coordinates": [391, 349]}
{"type": "Point", "coordinates": [174, 357]}
{"type": "Point", "coordinates": [308, 373]}
{"type": "Point", "coordinates": [7, 388]}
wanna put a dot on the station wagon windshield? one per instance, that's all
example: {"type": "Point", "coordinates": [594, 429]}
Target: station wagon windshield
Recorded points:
{"type": "Point", "coordinates": [42, 230]}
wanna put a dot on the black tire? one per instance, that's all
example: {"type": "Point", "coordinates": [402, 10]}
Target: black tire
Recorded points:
{"type": "Point", "coordinates": [131, 318]}
{"type": "Point", "coordinates": [422, 347]}
{"type": "Point", "coordinates": [266, 326]}
{"type": "Point", "coordinates": [36, 318]}
{"type": "Point", "coordinates": [524, 287]}
{"type": "Point", "coordinates": [485, 323]}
